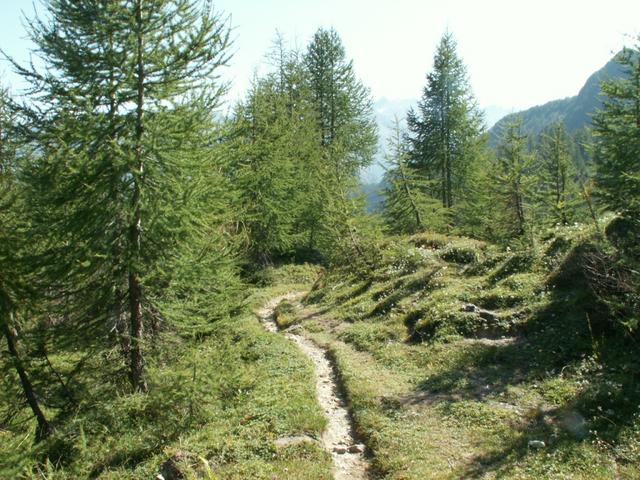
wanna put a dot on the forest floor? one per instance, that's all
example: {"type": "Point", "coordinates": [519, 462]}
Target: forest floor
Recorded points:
{"type": "Point", "coordinates": [224, 406]}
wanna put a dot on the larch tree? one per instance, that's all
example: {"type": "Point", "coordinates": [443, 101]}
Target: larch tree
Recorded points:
{"type": "Point", "coordinates": [406, 206]}
{"type": "Point", "coordinates": [445, 130]}
{"type": "Point", "coordinates": [512, 179]}
{"type": "Point", "coordinates": [616, 129]}
{"type": "Point", "coordinates": [557, 174]}
{"type": "Point", "coordinates": [343, 105]}
{"type": "Point", "coordinates": [277, 160]}
{"type": "Point", "coordinates": [119, 113]}
{"type": "Point", "coordinates": [348, 139]}
{"type": "Point", "coordinates": [265, 171]}
{"type": "Point", "coordinates": [14, 276]}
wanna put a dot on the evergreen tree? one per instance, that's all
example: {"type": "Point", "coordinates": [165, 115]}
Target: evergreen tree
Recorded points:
{"type": "Point", "coordinates": [120, 115]}
{"type": "Point", "coordinates": [406, 207]}
{"type": "Point", "coordinates": [582, 152]}
{"type": "Point", "coordinates": [277, 161]}
{"type": "Point", "coordinates": [478, 214]}
{"type": "Point", "coordinates": [557, 188]}
{"type": "Point", "coordinates": [445, 130]}
{"type": "Point", "coordinates": [512, 179]}
{"type": "Point", "coordinates": [266, 171]}
{"type": "Point", "coordinates": [347, 137]}
{"type": "Point", "coordinates": [616, 129]}
{"type": "Point", "coordinates": [343, 106]}
{"type": "Point", "coordinates": [14, 292]}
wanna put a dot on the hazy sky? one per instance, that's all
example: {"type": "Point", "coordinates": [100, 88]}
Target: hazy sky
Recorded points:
{"type": "Point", "coordinates": [518, 53]}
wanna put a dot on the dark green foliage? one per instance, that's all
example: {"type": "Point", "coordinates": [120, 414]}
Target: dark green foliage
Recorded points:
{"type": "Point", "coordinates": [407, 208]}
{"type": "Point", "coordinates": [557, 188]}
{"type": "Point", "coordinates": [298, 143]}
{"type": "Point", "coordinates": [343, 106]}
{"type": "Point", "coordinates": [121, 177]}
{"type": "Point", "coordinates": [513, 181]}
{"type": "Point", "coordinates": [16, 296]}
{"type": "Point", "coordinates": [617, 156]}
{"type": "Point", "coordinates": [277, 168]}
{"type": "Point", "coordinates": [617, 136]}
{"type": "Point", "coordinates": [479, 214]}
{"type": "Point", "coordinates": [347, 141]}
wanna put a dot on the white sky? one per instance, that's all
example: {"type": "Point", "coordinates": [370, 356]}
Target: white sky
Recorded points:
{"type": "Point", "coordinates": [518, 53]}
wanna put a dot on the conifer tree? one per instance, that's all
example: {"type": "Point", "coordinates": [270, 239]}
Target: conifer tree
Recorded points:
{"type": "Point", "coordinates": [406, 207]}
{"type": "Point", "coordinates": [445, 130]}
{"type": "Point", "coordinates": [557, 189]}
{"type": "Point", "coordinates": [512, 179]}
{"type": "Point", "coordinates": [343, 105]}
{"type": "Point", "coordinates": [348, 138]}
{"type": "Point", "coordinates": [479, 214]}
{"type": "Point", "coordinates": [616, 129]}
{"type": "Point", "coordinates": [277, 161]}
{"type": "Point", "coordinates": [266, 171]}
{"type": "Point", "coordinates": [14, 293]}
{"type": "Point", "coordinates": [119, 115]}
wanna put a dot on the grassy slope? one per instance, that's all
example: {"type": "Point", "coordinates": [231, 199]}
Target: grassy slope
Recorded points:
{"type": "Point", "coordinates": [225, 399]}
{"type": "Point", "coordinates": [441, 393]}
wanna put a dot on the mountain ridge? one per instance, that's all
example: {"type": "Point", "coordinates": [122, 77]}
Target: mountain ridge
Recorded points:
{"type": "Point", "coordinates": [575, 112]}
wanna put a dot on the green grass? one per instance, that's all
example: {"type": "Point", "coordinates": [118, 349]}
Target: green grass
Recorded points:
{"type": "Point", "coordinates": [221, 402]}
{"type": "Point", "coordinates": [284, 315]}
{"type": "Point", "coordinates": [437, 392]}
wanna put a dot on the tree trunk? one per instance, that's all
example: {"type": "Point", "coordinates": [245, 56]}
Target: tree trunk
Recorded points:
{"type": "Point", "coordinates": [405, 184]}
{"type": "Point", "coordinates": [135, 288]}
{"type": "Point", "coordinates": [44, 428]}
{"type": "Point", "coordinates": [520, 213]}
{"type": "Point", "coordinates": [137, 358]}
{"type": "Point", "coordinates": [443, 160]}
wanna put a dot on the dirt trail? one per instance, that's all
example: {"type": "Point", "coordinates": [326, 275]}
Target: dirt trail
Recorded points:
{"type": "Point", "coordinates": [348, 460]}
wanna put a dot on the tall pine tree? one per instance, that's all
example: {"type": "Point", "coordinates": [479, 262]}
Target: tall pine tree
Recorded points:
{"type": "Point", "coordinates": [445, 131]}
{"type": "Point", "coordinates": [120, 113]}
{"type": "Point", "coordinates": [348, 139]}
{"type": "Point", "coordinates": [557, 188]}
{"type": "Point", "coordinates": [616, 129]}
{"type": "Point", "coordinates": [513, 180]}
{"type": "Point", "coordinates": [15, 294]}
{"type": "Point", "coordinates": [277, 161]}
{"type": "Point", "coordinates": [407, 209]}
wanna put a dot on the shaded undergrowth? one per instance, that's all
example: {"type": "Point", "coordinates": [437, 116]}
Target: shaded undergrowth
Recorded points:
{"type": "Point", "coordinates": [214, 405]}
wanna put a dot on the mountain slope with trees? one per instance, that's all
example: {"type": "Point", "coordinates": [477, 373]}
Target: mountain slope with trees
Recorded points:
{"type": "Point", "coordinates": [575, 112]}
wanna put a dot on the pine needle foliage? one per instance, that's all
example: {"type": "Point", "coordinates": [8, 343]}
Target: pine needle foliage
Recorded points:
{"type": "Point", "coordinates": [119, 125]}
{"type": "Point", "coordinates": [445, 130]}
{"type": "Point", "coordinates": [513, 180]}
{"type": "Point", "coordinates": [558, 192]}
{"type": "Point", "coordinates": [617, 136]}
{"type": "Point", "coordinates": [407, 209]}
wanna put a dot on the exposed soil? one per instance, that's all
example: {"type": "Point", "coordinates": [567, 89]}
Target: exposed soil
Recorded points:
{"type": "Point", "coordinates": [337, 439]}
